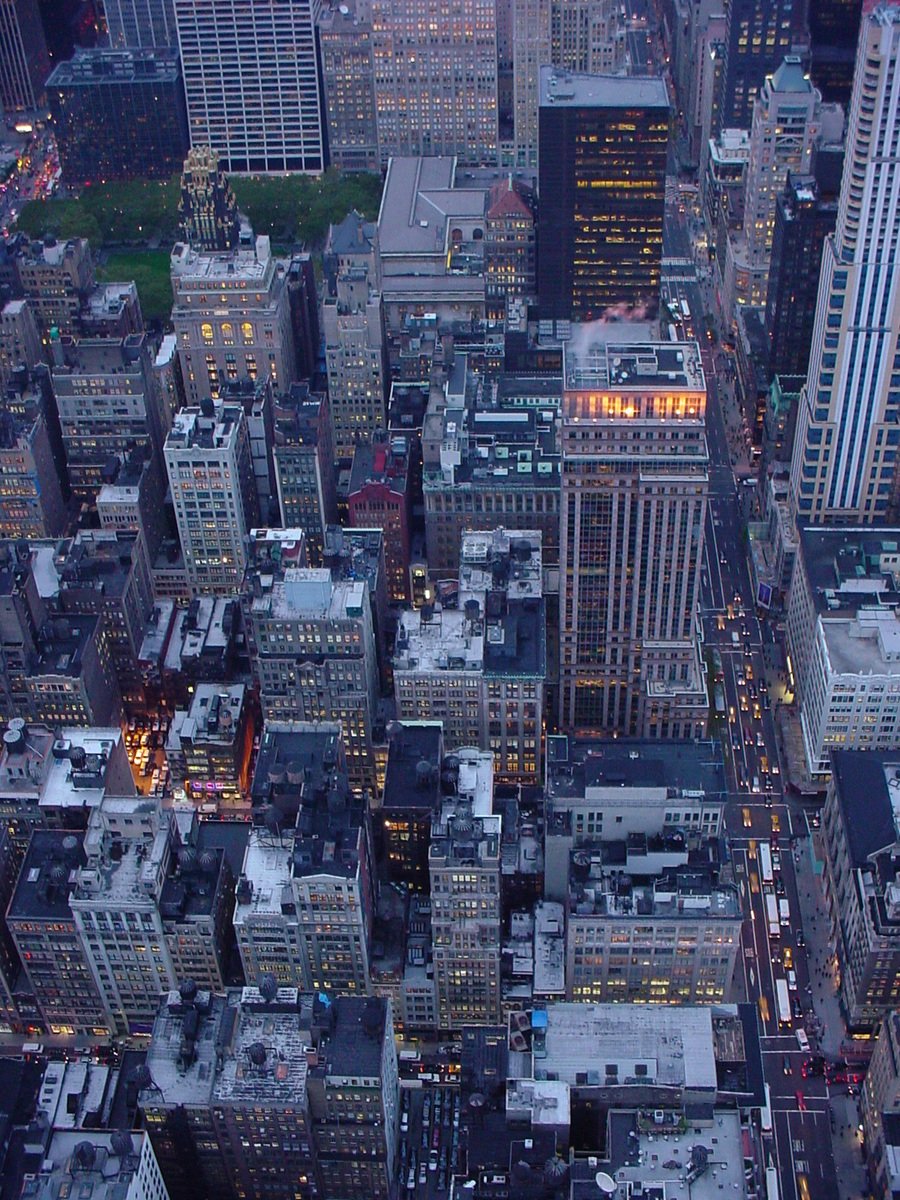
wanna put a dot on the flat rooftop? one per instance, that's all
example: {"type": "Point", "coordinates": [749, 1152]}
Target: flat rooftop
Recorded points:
{"type": "Point", "coordinates": [569, 89]}
{"type": "Point", "coordinates": [584, 767]}
{"type": "Point", "coordinates": [868, 791]}
{"type": "Point", "coordinates": [42, 890]}
{"type": "Point", "coordinates": [191, 430]}
{"type": "Point", "coordinates": [594, 358]}
{"type": "Point", "coordinates": [848, 569]}
{"type": "Point", "coordinates": [413, 745]}
{"type": "Point", "coordinates": [419, 201]}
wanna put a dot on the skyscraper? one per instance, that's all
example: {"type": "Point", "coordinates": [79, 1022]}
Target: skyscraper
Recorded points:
{"type": "Point", "coordinates": [24, 62]}
{"type": "Point", "coordinates": [436, 78]}
{"type": "Point", "coordinates": [208, 213]}
{"type": "Point", "coordinates": [251, 81]}
{"type": "Point", "coordinates": [634, 494]}
{"type": "Point", "coordinates": [140, 24]}
{"type": "Point", "coordinates": [603, 146]}
{"type": "Point", "coordinates": [844, 468]}
{"type": "Point", "coordinates": [757, 37]}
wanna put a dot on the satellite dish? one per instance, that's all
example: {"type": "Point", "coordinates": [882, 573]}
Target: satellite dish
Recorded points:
{"type": "Point", "coordinates": [58, 873]}
{"type": "Point", "coordinates": [207, 861]}
{"type": "Point", "coordinates": [605, 1183]}
{"type": "Point", "coordinates": [187, 857]}
{"type": "Point", "coordinates": [70, 843]}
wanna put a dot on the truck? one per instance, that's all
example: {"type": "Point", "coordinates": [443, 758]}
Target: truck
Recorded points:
{"type": "Point", "coordinates": [772, 916]}
{"type": "Point", "coordinates": [784, 912]}
{"type": "Point", "coordinates": [719, 694]}
{"type": "Point", "coordinates": [772, 1191]}
{"type": "Point", "coordinates": [783, 1002]}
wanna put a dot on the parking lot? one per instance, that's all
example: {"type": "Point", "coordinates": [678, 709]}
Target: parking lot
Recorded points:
{"type": "Point", "coordinates": [144, 745]}
{"type": "Point", "coordinates": [429, 1139]}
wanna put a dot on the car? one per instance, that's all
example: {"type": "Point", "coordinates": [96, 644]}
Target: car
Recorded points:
{"type": "Point", "coordinates": [776, 823]}
{"type": "Point", "coordinates": [779, 885]}
{"type": "Point", "coordinates": [786, 1063]}
{"type": "Point", "coordinates": [796, 1008]}
{"type": "Point", "coordinates": [411, 1181]}
{"type": "Point", "coordinates": [433, 1160]}
{"type": "Point", "coordinates": [423, 1173]}
{"type": "Point", "coordinates": [404, 1122]}
{"type": "Point", "coordinates": [801, 940]}
{"type": "Point", "coordinates": [787, 957]}
{"type": "Point", "coordinates": [801, 1100]}
{"type": "Point", "coordinates": [747, 818]}
{"type": "Point", "coordinates": [792, 981]}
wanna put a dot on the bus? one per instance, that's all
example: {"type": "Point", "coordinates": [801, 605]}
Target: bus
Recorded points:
{"type": "Point", "coordinates": [686, 310]}
{"type": "Point", "coordinates": [783, 1002]}
{"type": "Point", "coordinates": [719, 694]}
{"type": "Point", "coordinates": [765, 1112]}
{"type": "Point", "coordinates": [673, 334]}
{"type": "Point", "coordinates": [772, 1183]}
{"type": "Point", "coordinates": [784, 912]}
{"type": "Point", "coordinates": [772, 916]}
{"type": "Point", "coordinates": [765, 862]}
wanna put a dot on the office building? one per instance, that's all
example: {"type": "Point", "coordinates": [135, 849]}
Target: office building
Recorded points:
{"type": "Point", "coordinates": [842, 629]}
{"type": "Point", "coordinates": [303, 305]}
{"type": "Point", "coordinates": [631, 541]}
{"type": "Point", "coordinates": [805, 214]}
{"type": "Point", "coordinates": [345, 42]}
{"type": "Point", "coordinates": [281, 1071]}
{"type": "Point", "coordinates": [464, 876]}
{"type": "Point", "coordinates": [132, 502]}
{"type": "Point", "coordinates": [97, 94]}
{"type": "Point", "coordinates": [115, 1166]}
{"type": "Point", "coordinates": [881, 1110]}
{"type": "Point", "coordinates": [436, 80]}
{"type": "Point", "coordinates": [112, 310]}
{"type": "Point", "coordinates": [24, 62]}
{"type": "Point", "coordinates": [252, 86]}
{"type": "Point", "coordinates": [833, 33]}
{"type": "Point", "coordinates": [312, 645]}
{"type": "Point", "coordinates": [305, 898]}
{"type": "Point", "coordinates": [354, 332]}
{"type": "Point", "coordinates": [532, 48]}
{"type": "Point", "coordinates": [207, 455]}
{"type": "Point", "coordinates": [231, 317]}
{"type": "Point", "coordinates": [379, 497]}
{"type": "Point", "coordinates": [757, 38]}
{"type": "Point", "coordinates": [490, 461]}
{"type": "Point", "coordinates": [412, 788]}
{"type": "Point", "coordinates": [56, 279]}
{"type": "Point", "coordinates": [20, 341]}
{"type": "Point", "coordinates": [208, 213]}
{"type": "Point", "coordinates": [656, 928]}
{"type": "Point", "coordinates": [509, 245]}
{"type": "Point", "coordinates": [843, 470]}
{"type": "Point", "coordinates": [430, 242]}
{"type": "Point", "coordinates": [788, 121]}
{"type": "Point", "coordinates": [862, 883]}
{"type": "Point", "coordinates": [304, 466]}
{"type": "Point", "coordinates": [477, 661]}
{"type": "Point", "coordinates": [603, 145]}
{"type": "Point", "coordinates": [104, 573]}
{"type": "Point", "coordinates": [71, 678]}
{"type": "Point", "coordinates": [108, 405]}
{"type": "Point", "coordinates": [46, 937]}
{"type": "Point", "coordinates": [140, 24]}
{"type": "Point", "coordinates": [208, 748]}
{"type": "Point", "coordinates": [256, 398]}
{"type": "Point", "coordinates": [32, 501]}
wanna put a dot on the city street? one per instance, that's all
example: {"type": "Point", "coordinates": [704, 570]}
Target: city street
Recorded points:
{"type": "Point", "coordinates": [769, 839]}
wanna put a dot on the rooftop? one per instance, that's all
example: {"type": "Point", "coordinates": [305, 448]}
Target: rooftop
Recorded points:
{"type": "Point", "coordinates": [598, 886]}
{"type": "Point", "coordinates": [42, 890]}
{"type": "Point", "coordinates": [89, 68]}
{"type": "Point", "coordinates": [295, 760]}
{"type": "Point", "coordinates": [309, 593]}
{"type": "Point", "coordinates": [549, 948]}
{"type": "Point", "coordinates": [385, 463]}
{"type": "Point", "coordinates": [568, 89]}
{"type": "Point", "coordinates": [594, 357]}
{"type": "Point", "coordinates": [230, 269]}
{"type": "Point", "coordinates": [413, 774]}
{"type": "Point", "coordinates": [192, 429]}
{"type": "Point", "coordinates": [867, 785]}
{"type": "Point", "coordinates": [591, 1045]}
{"type": "Point", "coordinates": [419, 202]}
{"type": "Point", "coordinates": [94, 1166]}
{"type": "Point", "coordinates": [214, 714]}
{"type": "Point", "coordinates": [582, 767]}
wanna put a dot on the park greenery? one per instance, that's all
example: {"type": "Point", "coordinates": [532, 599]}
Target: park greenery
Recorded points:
{"type": "Point", "coordinates": [294, 210]}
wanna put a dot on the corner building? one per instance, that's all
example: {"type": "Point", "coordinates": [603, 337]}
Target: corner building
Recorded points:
{"type": "Point", "coordinates": [634, 493]}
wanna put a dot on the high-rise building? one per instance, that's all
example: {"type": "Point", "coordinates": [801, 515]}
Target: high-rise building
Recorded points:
{"type": "Point", "coordinates": [345, 40]}
{"type": "Point", "coordinates": [436, 79]}
{"type": "Point", "coordinates": [833, 31]}
{"type": "Point", "coordinates": [24, 62]}
{"type": "Point", "coordinates": [635, 482]}
{"type": "Point", "coordinates": [380, 498]}
{"type": "Point", "coordinates": [20, 341]}
{"type": "Point", "coordinates": [464, 875]}
{"type": "Point", "coordinates": [268, 1091]}
{"type": "Point", "coordinates": [509, 245]}
{"type": "Point", "coordinates": [32, 500]}
{"type": "Point", "coordinates": [304, 466]}
{"type": "Point", "coordinates": [140, 24]}
{"type": "Point", "coordinates": [532, 49]}
{"type": "Point", "coordinates": [788, 121]}
{"type": "Point", "coordinates": [588, 36]}
{"type": "Point", "coordinates": [208, 213]}
{"type": "Point", "coordinates": [848, 428]}
{"type": "Point", "coordinates": [353, 326]}
{"type": "Point", "coordinates": [881, 1108]}
{"type": "Point", "coordinates": [108, 405]}
{"type": "Point", "coordinates": [805, 215]}
{"type": "Point", "coordinates": [97, 94]}
{"type": "Point", "coordinates": [251, 80]}
{"type": "Point", "coordinates": [757, 37]}
{"type": "Point", "coordinates": [47, 940]}
{"type": "Point", "coordinates": [56, 279]}
{"type": "Point", "coordinates": [313, 649]}
{"type": "Point", "coordinates": [603, 147]}
{"type": "Point", "coordinates": [232, 318]}
{"type": "Point", "coordinates": [210, 471]}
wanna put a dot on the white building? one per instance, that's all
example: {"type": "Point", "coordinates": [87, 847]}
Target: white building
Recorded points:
{"type": "Point", "coordinates": [252, 84]}
{"type": "Point", "coordinates": [848, 424]}
{"type": "Point", "coordinates": [106, 1166]}
{"type": "Point", "coordinates": [844, 641]}
{"type": "Point", "coordinates": [210, 471]}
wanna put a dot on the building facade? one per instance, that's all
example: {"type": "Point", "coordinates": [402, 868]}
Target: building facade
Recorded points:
{"type": "Point", "coordinates": [634, 497]}
{"type": "Point", "coordinates": [603, 145]}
